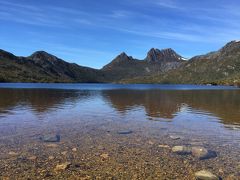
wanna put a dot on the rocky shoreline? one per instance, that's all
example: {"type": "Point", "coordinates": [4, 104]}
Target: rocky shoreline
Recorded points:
{"type": "Point", "coordinates": [53, 158]}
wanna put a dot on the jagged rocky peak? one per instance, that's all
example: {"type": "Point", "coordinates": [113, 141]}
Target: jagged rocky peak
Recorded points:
{"type": "Point", "coordinates": [121, 59]}
{"type": "Point", "coordinates": [123, 56]}
{"type": "Point", "coordinates": [42, 55]}
{"type": "Point", "coordinates": [164, 55]}
{"type": "Point", "coordinates": [168, 52]}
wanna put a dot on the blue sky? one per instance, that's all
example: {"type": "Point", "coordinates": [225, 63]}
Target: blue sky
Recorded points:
{"type": "Point", "coordinates": [93, 32]}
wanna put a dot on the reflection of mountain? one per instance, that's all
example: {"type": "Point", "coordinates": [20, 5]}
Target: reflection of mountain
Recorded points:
{"type": "Point", "coordinates": [223, 104]}
{"type": "Point", "coordinates": [165, 104]}
{"type": "Point", "coordinates": [156, 103]}
{"type": "Point", "coordinates": [39, 100]}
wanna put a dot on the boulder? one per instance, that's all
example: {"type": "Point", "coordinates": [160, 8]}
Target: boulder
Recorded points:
{"type": "Point", "coordinates": [203, 153]}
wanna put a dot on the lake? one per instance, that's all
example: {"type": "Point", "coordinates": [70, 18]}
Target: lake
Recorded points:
{"type": "Point", "coordinates": [110, 131]}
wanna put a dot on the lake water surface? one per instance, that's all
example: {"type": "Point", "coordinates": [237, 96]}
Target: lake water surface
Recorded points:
{"type": "Point", "coordinates": [112, 131]}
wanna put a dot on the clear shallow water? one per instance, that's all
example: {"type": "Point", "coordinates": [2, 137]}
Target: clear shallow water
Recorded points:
{"type": "Point", "coordinates": [88, 117]}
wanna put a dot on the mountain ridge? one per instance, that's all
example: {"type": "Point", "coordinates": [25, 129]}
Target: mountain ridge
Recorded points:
{"type": "Point", "coordinates": [156, 55]}
{"type": "Point", "coordinates": [43, 67]}
{"type": "Point", "coordinates": [159, 66]}
{"type": "Point", "coordinates": [217, 67]}
{"type": "Point", "coordinates": [156, 61]}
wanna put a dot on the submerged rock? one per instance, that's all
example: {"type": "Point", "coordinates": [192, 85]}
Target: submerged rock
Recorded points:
{"type": "Point", "coordinates": [197, 151]}
{"type": "Point", "coordinates": [50, 138]}
{"type": "Point", "coordinates": [125, 132]}
{"type": "Point", "coordinates": [205, 175]}
{"type": "Point", "coordinates": [50, 157]}
{"type": "Point", "coordinates": [150, 142]}
{"type": "Point", "coordinates": [61, 167]}
{"type": "Point", "coordinates": [12, 153]}
{"type": "Point", "coordinates": [74, 149]}
{"type": "Point", "coordinates": [175, 137]}
{"type": "Point", "coordinates": [104, 156]}
{"type": "Point", "coordinates": [51, 145]}
{"type": "Point", "coordinates": [164, 146]}
{"type": "Point", "coordinates": [64, 153]}
{"type": "Point", "coordinates": [32, 158]}
{"type": "Point", "coordinates": [182, 150]}
{"type": "Point", "coordinates": [203, 153]}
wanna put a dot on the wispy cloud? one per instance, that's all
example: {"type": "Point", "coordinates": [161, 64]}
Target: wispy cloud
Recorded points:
{"type": "Point", "coordinates": [25, 14]}
{"type": "Point", "coordinates": [18, 5]}
{"type": "Point", "coordinates": [50, 16]}
{"type": "Point", "coordinates": [195, 24]}
{"type": "Point", "coordinates": [169, 4]}
{"type": "Point", "coordinates": [119, 14]}
{"type": "Point", "coordinates": [166, 35]}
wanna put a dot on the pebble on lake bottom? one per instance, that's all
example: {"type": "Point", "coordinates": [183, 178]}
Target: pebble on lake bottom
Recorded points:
{"type": "Point", "coordinates": [104, 156]}
{"type": "Point", "coordinates": [164, 146]}
{"type": "Point", "coordinates": [61, 167]}
{"type": "Point", "coordinates": [52, 145]}
{"type": "Point", "coordinates": [150, 142]}
{"type": "Point", "coordinates": [64, 153]}
{"type": "Point", "coordinates": [125, 132]}
{"type": "Point", "coordinates": [205, 175]}
{"type": "Point", "coordinates": [175, 137]}
{"type": "Point", "coordinates": [32, 158]}
{"type": "Point", "coordinates": [50, 157]}
{"type": "Point", "coordinates": [12, 153]}
{"type": "Point", "coordinates": [182, 150]}
{"type": "Point", "coordinates": [50, 138]}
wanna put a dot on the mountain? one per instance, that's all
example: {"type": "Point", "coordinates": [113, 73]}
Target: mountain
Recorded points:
{"type": "Point", "coordinates": [219, 67]}
{"type": "Point", "coordinates": [157, 61]}
{"type": "Point", "coordinates": [159, 66]}
{"type": "Point", "coordinates": [165, 55]}
{"type": "Point", "coordinates": [121, 60]}
{"type": "Point", "coordinates": [43, 67]}
{"type": "Point", "coordinates": [123, 66]}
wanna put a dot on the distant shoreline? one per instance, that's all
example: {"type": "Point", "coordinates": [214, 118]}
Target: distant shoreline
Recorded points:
{"type": "Point", "coordinates": [159, 67]}
{"type": "Point", "coordinates": [119, 83]}
{"type": "Point", "coordinates": [124, 85]}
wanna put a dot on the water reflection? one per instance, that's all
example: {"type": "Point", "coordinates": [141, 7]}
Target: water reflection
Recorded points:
{"type": "Point", "coordinates": [167, 104]}
{"type": "Point", "coordinates": [223, 104]}
{"type": "Point", "coordinates": [156, 103]}
{"type": "Point", "coordinates": [39, 100]}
